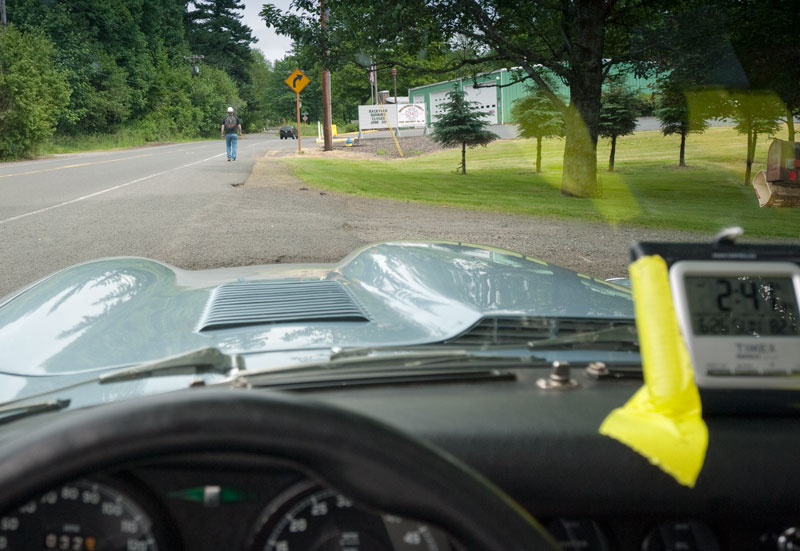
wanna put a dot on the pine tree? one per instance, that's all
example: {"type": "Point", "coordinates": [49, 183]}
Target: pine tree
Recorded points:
{"type": "Point", "coordinates": [215, 30]}
{"type": "Point", "coordinates": [538, 118]}
{"type": "Point", "coordinates": [676, 117]}
{"type": "Point", "coordinates": [461, 124]}
{"type": "Point", "coordinates": [617, 117]}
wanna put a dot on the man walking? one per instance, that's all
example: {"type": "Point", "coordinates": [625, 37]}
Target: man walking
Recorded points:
{"type": "Point", "coordinates": [231, 129]}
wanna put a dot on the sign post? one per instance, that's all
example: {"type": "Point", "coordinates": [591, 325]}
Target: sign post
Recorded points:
{"type": "Point", "coordinates": [297, 81]}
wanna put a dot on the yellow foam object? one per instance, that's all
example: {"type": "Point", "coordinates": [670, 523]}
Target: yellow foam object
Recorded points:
{"type": "Point", "coordinates": [663, 420]}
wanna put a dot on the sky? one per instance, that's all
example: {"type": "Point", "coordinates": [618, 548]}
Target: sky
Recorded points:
{"type": "Point", "coordinates": [274, 46]}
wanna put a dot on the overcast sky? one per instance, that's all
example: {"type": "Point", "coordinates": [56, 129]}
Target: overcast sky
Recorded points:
{"type": "Point", "coordinates": [274, 46]}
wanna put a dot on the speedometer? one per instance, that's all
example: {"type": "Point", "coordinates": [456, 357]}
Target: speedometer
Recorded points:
{"type": "Point", "coordinates": [80, 516]}
{"type": "Point", "coordinates": [308, 517]}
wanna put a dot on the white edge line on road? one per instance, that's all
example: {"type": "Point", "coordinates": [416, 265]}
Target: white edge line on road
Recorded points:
{"type": "Point", "coordinates": [95, 194]}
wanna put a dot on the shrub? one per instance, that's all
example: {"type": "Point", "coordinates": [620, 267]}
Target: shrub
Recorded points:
{"type": "Point", "coordinates": [32, 93]}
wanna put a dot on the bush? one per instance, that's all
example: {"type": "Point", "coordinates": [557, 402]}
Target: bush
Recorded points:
{"type": "Point", "coordinates": [32, 93]}
{"type": "Point", "coordinates": [211, 94]}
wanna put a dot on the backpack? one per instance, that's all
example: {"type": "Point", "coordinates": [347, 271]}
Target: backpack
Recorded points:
{"type": "Point", "coordinates": [230, 124]}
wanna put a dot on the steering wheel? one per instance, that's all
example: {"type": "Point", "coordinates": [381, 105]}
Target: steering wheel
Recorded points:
{"type": "Point", "coordinates": [368, 460]}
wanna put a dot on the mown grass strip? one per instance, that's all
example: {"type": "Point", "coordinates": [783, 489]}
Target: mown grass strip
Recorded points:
{"type": "Point", "coordinates": [646, 189]}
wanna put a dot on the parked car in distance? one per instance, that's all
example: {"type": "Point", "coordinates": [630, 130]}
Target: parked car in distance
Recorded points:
{"type": "Point", "coordinates": [288, 131]}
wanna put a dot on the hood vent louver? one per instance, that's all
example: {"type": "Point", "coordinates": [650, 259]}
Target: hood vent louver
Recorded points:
{"type": "Point", "coordinates": [244, 304]}
{"type": "Point", "coordinates": [520, 330]}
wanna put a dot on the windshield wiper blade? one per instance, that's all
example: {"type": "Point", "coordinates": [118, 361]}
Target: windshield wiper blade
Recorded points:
{"type": "Point", "coordinates": [194, 362]}
{"type": "Point", "coordinates": [359, 362]}
{"type": "Point", "coordinates": [10, 413]}
{"type": "Point", "coordinates": [621, 335]}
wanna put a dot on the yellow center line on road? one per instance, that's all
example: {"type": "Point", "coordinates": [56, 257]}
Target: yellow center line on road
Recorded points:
{"type": "Point", "coordinates": [73, 166]}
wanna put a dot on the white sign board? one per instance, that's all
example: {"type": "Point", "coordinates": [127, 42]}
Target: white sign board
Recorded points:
{"type": "Point", "coordinates": [378, 117]}
{"type": "Point", "coordinates": [412, 114]}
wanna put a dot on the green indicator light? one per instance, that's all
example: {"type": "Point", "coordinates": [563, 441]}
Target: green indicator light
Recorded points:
{"type": "Point", "coordinates": [229, 495]}
{"type": "Point", "coordinates": [189, 494]}
{"type": "Point", "coordinates": [212, 496]}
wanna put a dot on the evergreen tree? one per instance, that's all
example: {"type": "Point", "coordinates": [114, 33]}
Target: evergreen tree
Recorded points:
{"type": "Point", "coordinates": [215, 30]}
{"type": "Point", "coordinates": [538, 118]}
{"type": "Point", "coordinates": [461, 124]}
{"type": "Point", "coordinates": [617, 117]}
{"type": "Point", "coordinates": [676, 117]}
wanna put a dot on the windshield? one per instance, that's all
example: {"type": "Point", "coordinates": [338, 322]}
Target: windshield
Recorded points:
{"type": "Point", "coordinates": [278, 180]}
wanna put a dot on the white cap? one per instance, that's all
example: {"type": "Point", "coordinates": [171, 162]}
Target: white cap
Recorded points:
{"type": "Point", "coordinates": [230, 109]}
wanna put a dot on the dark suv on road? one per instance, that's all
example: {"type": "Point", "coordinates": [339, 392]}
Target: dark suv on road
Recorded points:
{"type": "Point", "coordinates": [288, 132]}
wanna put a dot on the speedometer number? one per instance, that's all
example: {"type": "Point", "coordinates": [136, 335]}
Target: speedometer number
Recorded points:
{"type": "Point", "coordinates": [298, 525]}
{"type": "Point", "coordinates": [9, 524]}
{"type": "Point", "coordinates": [319, 509]}
{"type": "Point", "coordinates": [111, 509]}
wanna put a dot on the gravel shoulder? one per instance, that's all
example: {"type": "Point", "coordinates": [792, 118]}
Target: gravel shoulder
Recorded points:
{"type": "Point", "coordinates": [593, 248]}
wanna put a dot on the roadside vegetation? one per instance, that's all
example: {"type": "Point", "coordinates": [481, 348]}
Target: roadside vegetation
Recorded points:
{"type": "Point", "coordinates": [647, 188]}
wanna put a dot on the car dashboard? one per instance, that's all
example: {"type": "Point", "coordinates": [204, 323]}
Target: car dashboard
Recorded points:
{"type": "Point", "coordinates": [541, 446]}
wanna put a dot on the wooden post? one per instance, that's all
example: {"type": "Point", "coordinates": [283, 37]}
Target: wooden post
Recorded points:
{"type": "Point", "coordinates": [327, 137]}
{"type": "Point", "coordinates": [299, 132]}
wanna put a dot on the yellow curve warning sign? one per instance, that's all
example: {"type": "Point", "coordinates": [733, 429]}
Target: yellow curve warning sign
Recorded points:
{"type": "Point", "coordinates": [297, 80]}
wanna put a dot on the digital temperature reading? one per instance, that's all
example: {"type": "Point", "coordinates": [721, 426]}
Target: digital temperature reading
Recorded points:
{"type": "Point", "coordinates": [740, 321]}
{"type": "Point", "coordinates": [742, 305]}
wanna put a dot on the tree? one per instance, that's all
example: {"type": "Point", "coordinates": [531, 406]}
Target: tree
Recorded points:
{"type": "Point", "coordinates": [538, 118]}
{"type": "Point", "coordinates": [215, 30]}
{"type": "Point", "coordinates": [254, 92]}
{"type": "Point", "coordinates": [578, 40]}
{"type": "Point", "coordinates": [676, 117]}
{"type": "Point", "coordinates": [763, 34]}
{"type": "Point", "coordinates": [32, 92]}
{"type": "Point", "coordinates": [617, 117]}
{"type": "Point", "coordinates": [461, 124]}
{"type": "Point", "coordinates": [755, 113]}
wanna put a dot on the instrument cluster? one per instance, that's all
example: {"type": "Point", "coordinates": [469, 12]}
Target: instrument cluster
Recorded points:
{"type": "Point", "coordinates": [163, 509]}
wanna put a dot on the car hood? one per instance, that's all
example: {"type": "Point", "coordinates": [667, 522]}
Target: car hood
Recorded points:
{"type": "Point", "coordinates": [122, 311]}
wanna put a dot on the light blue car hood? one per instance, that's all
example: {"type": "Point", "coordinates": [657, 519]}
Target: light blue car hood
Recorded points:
{"type": "Point", "coordinates": [122, 311]}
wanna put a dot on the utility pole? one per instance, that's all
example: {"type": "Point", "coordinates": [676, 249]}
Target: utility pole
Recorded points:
{"type": "Point", "coordinates": [3, 14]}
{"type": "Point", "coordinates": [194, 59]}
{"type": "Point", "coordinates": [394, 77]}
{"type": "Point", "coordinates": [326, 83]}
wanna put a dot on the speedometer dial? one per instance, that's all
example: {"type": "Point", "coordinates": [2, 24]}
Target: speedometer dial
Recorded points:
{"type": "Point", "coordinates": [80, 516]}
{"type": "Point", "coordinates": [310, 518]}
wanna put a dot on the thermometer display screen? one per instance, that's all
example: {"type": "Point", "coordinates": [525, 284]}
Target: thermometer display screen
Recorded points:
{"type": "Point", "coordinates": [759, 306]}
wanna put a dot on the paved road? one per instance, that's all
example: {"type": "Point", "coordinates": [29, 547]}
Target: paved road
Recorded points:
{"type": "Point", "coordinates": [161, 201]}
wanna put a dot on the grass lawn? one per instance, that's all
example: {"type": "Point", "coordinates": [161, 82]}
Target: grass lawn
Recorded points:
{"type": "Point", "coordinates": [647, 188]}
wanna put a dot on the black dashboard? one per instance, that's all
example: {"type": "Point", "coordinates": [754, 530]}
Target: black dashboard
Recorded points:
{"type": "Point", "coordinates": [541, 447]}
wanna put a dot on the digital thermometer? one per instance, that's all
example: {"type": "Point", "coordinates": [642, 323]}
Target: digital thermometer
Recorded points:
{"type": "Point", "coordinates": [740, 321]}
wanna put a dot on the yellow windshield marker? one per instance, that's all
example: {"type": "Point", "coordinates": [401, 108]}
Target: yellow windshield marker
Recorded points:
{"type": "Point", "coordinates": [663, 420]}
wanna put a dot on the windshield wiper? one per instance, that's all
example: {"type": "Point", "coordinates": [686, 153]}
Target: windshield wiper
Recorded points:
{"type": "Point", "coordinates": [621, 336]}
{"type": "Point", "coordinates": [12, 413]}
{"type": "Point", "coordinates": [194, 362]}
{"type": "Point", "coordinates": [388, 362]}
